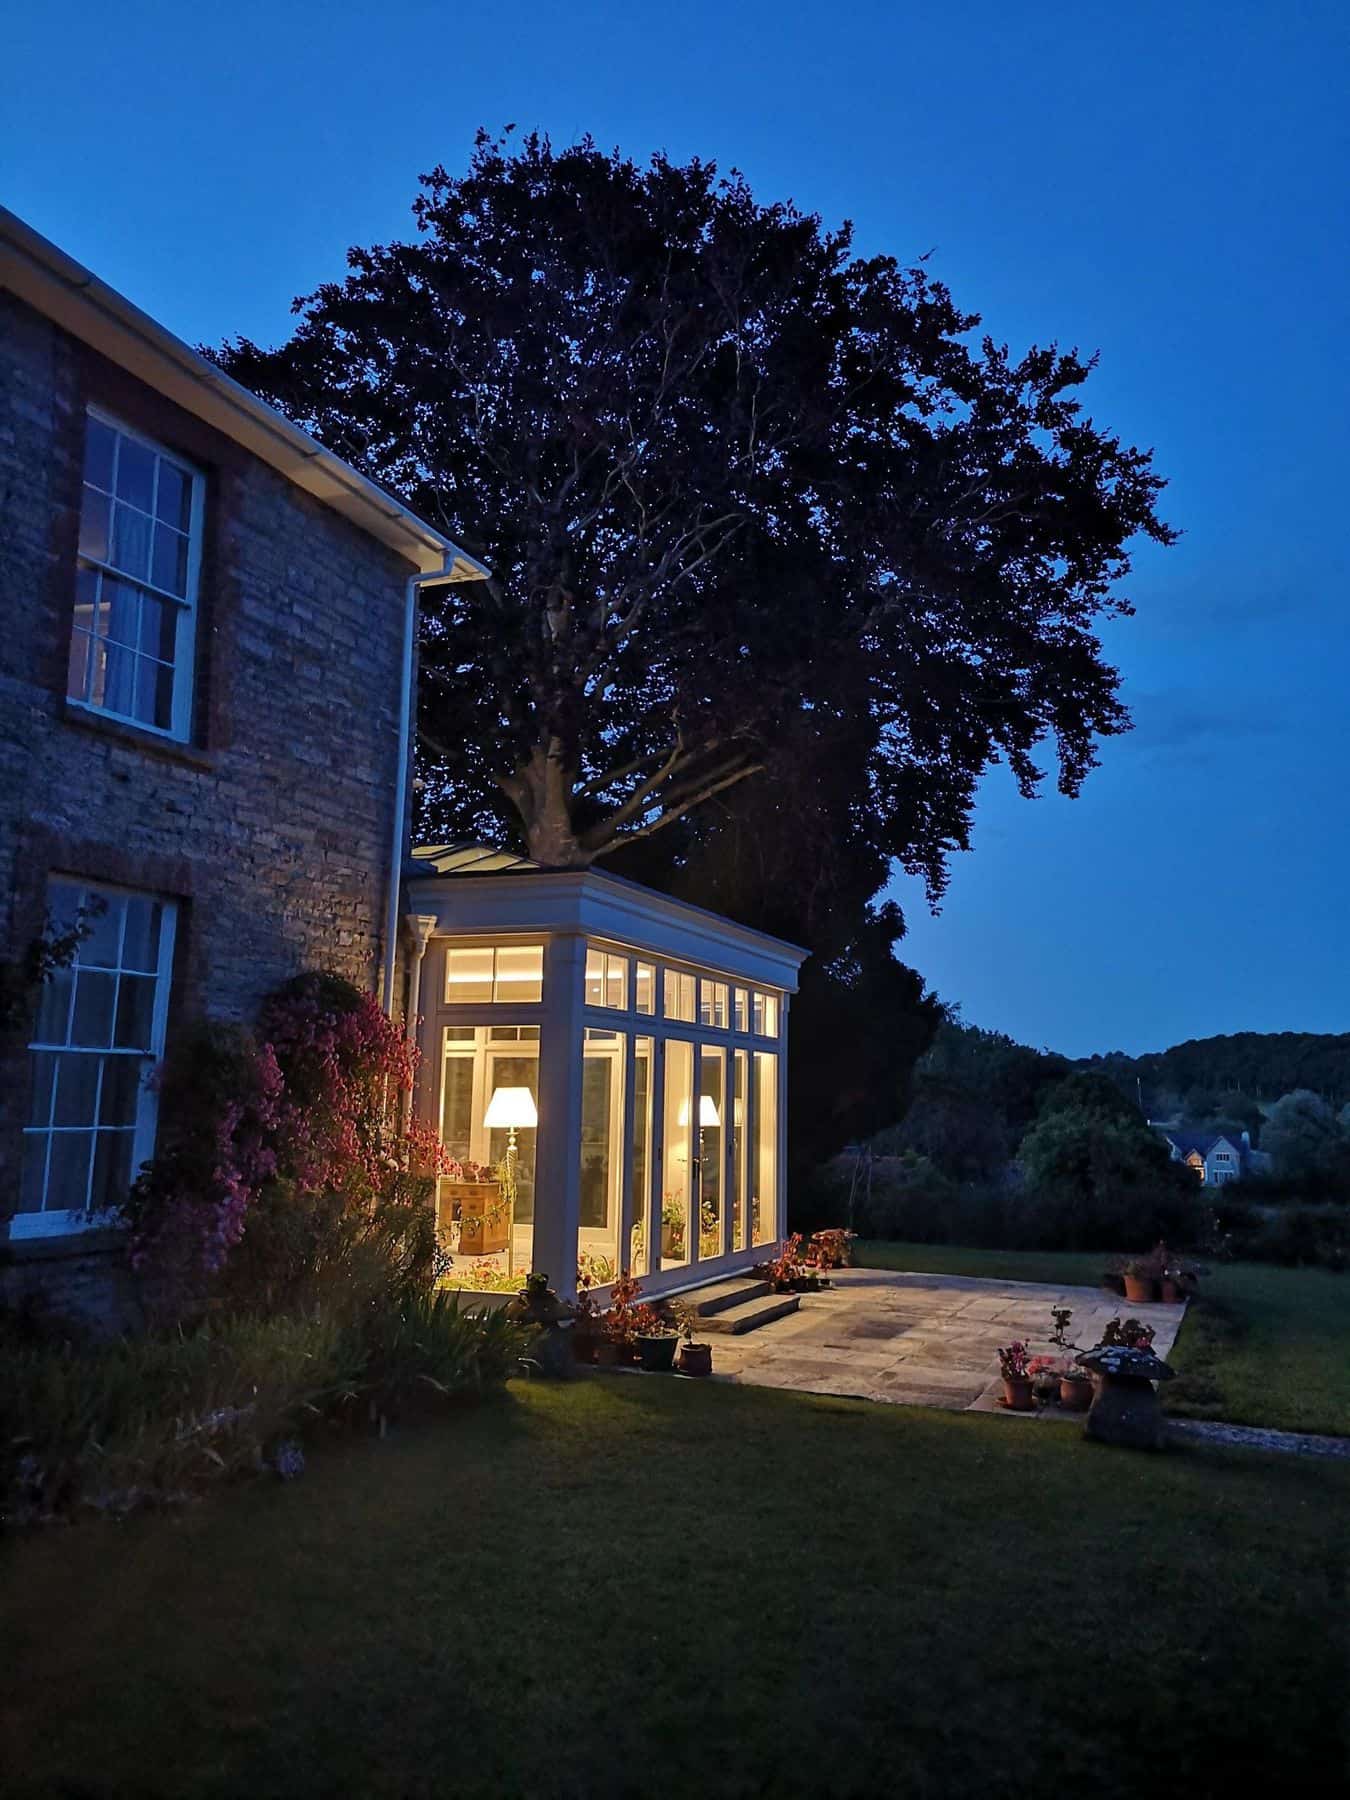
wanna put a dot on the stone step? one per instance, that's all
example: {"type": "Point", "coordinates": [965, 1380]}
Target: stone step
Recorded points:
{"type": "Point", "coordinates": [734, 1290]}
{"type": "Point", "coordinates": [732, 1321]}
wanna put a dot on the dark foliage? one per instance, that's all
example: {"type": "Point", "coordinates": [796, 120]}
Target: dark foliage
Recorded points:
{"type": "Point", "coordinates": [735, 484]}
{"type": "Point", "coordinates": [1222, 1076]}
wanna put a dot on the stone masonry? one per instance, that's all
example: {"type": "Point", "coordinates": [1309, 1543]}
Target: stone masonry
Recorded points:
{"type": "Point", "coordinates": [271, 826]}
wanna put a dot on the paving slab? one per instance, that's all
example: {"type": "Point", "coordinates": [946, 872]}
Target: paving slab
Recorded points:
{"type": "Point", "coordinates": [921, 1340]}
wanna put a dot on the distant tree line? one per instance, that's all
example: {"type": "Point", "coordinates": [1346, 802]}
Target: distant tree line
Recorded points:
{"type": "Point", "coordinates": [1245, 1066]}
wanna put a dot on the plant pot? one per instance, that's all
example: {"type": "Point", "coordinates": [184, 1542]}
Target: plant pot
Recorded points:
{"type": "Point", "coordinates": [1075, 1396]}
{"type": "Point", "coordinates": [1139, 1289]}
{"type": "Point", "coordinates": [484, 1223]}
{"type": "Point", "coordinates": [695, 1359]}
{"type": "Point", "coordinates": [657, 1354]}
{"type": "Point", "coordinates": [672, 1244]}
{"type": "Point", "coordinates": [1017, 1393]}
{"type": "Point", "coordinates": [607, 1353]}
{"type": "Point", "coordinates": [1172, 1292]}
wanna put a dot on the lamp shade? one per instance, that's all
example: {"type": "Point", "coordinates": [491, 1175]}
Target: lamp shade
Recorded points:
{"type": "Point", "coordinates": [708, 1115]}
{"type": "Point", "coordinates": [510, 1107]}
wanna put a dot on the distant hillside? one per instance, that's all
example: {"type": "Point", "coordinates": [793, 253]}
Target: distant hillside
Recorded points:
{"type": "Point", "coordinates": [1258, 1065]}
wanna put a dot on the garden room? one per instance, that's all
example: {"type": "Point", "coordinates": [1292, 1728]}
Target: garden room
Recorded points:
{"type": "Point", "coordinates": [606, 1070]}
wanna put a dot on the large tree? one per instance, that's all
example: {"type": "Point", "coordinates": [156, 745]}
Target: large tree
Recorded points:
{"type": "Point", "coordinates": [737, 486]}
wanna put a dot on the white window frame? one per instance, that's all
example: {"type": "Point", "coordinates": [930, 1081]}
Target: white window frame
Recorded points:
{"type": "Point", "coordinates": [64, 1221]}
{"type": "Point", "coordinates": [185, 604]}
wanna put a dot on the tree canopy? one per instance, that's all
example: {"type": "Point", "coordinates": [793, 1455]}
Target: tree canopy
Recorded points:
{"type": "Point", "coordinates": [738, 486]}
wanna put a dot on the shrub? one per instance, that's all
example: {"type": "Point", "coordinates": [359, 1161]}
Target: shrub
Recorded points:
{"type": "Point", "coordinates": [149, 1420]}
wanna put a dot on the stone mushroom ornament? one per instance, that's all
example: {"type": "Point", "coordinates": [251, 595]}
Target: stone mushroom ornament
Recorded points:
{"type": "Point", "coordinates": [1125, 1408]}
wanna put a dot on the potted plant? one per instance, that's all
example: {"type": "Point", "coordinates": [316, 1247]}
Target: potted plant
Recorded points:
{"type": "Point", "coordinates": [1043, 1372]}
{"type": "Point", "coordinates": [618, 1342]}
{"type": "Point", "coordinates": [1179, 1281]}
{"type": "Point", "coordinates": [1075, 1388]}
{"type": "Point", "coordinates": [1015, 1367]}
{"type": "Point", "coordinates": [586, 1330]}
{"type": "Point", "coordinates": [656, 1338]}
{"type": "Point", "coordinates": [693, 1358]}
{"type": "Point", "coordinates": [1141, 1280]}
{"type": "Point", "coordinates": [672, 1229]}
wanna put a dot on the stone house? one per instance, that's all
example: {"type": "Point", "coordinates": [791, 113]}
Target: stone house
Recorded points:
{"type": "Point", "coordinates": [206, 675]}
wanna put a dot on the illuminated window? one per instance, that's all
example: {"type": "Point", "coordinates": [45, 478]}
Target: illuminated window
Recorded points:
{"type": "Point", "coordinates": [606, 979]}
{"type": "Point", "coordinates": [644, 985]}
{"type": "Point", "coordinates": [679, 996]}
{"type": "Point", "coordinates": [503, 974]}
{"type": "Point", "coordinates": [765, 1015]}
{"type": "Point", "coordinates": [712, 1004]}
{"type": "Point", "coordinates": [99, 1032]}
{"type": "Point", "coordinates": [131, 647]}
{"type": "Point", "coordinates": [742, 1010]}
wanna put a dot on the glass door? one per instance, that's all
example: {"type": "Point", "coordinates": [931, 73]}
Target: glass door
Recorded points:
{"type": "Point", "coordinates": [711, 1158]}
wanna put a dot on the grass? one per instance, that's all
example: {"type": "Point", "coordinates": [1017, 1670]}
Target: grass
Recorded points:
{"type": "Point", "coordinates": [1262, 1345]}
{"type": "Point", "coordinates": [628, 1586]}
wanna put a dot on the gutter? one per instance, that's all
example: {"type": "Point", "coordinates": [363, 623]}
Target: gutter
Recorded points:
{"type": "Point", "coordinates": [435, 578]}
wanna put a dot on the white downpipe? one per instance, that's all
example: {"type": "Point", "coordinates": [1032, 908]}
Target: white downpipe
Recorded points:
{"type": "Point", "coordinates": [405, 712]}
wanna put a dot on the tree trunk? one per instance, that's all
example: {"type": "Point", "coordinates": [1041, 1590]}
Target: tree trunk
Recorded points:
{"type": "Point", "coordinates": [542, 793]}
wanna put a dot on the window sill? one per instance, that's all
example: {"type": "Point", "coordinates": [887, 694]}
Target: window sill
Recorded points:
{"type": "Point", "coordinates": [85, 718]}
{"type": "Point", "coordinates": [80, 1240]}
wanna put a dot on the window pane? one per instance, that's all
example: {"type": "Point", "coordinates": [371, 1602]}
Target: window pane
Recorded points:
{"type": "Point", "coordinates": [140, 947]}
{"type": "Point", "coordinates": [114, 685]}
{"type": "Point", "coordinates": [645, 984]}
{"type": "Point", "coordinates": [53, 1020]}
{"type": "Point", "coordinates": [154, 693]}
{"type": "Point", "coordinates": [76, 1090]}
{"type": "Point", "coordinates": [68, 1171]}
{"type": "Point", "coordinates": [601, 1156]}
{"type": "Point", "coordinates": [711, 1116]}
{"type": "Point", "coordinates": [739, 1060]}
{"type": "Point", "coordinates": [456, 1107]}
{"type": "Point", "coordinates": [616, 981]}
{"type": "Point", "coordinates": [595, 978]}
{"type": "Point", "coordinates": [677, 1183]}
{"type": "Point", "coordinates": [679, 996]}
{"type": "Point", "coordinates": [98, 453]}
{"type": "Point", "coordinates": [520, 974]}
{"type": "Point", "coordinates": [468, 976]}
{"type": "Point", "coordinates": [642, 1154]}
{"type": "Point", "coordinates": [130, 541]}
{"type": "Point", "coordinates": [93, 1020]}
{"type": "Point", "coordinates": [112, 1168]}
{"type": "Point", "coordinates": [764, 1151]}
{"type": "Point", "coordinates": [82, 655]}
{"type": "Point", "coordinates": [135, 472]}
{"type": "Point", "coordinates": [43, 1075]}
{"type": "Point", "coordinates": [120, 1097]}
{"type": "Point", "coordinates": [135, 1012]}
{"type": "Point", "coordinates": [94, 513]}
{"type": "Point", "coordinates": [172, 502]}
{"type": "Point", "coordinates": [158, 621]}
{"type": "Point", "coordinates": [102, 916]}
{"type": "Point", "coordinates": [119, 611]}
{"type": "Point", "coordinates": [168, 564]}
{"type": "Point", "coordinates": [742, 1010]}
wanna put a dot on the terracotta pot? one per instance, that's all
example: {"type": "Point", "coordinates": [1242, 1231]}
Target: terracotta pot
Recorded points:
{"type": "Point", "coordinates": [1075, 1396]}
{"type": "Point", "coordinates": [672, 1244]}
{"type": "Point", "coordinates": [1172, 1292]}
{"type": "Point", "coordinates": [1017, 1393]}
{"type": "Point", "coordinates": [695, 1359]}
{"type": "Point", "coordinates": [1139, 1289]}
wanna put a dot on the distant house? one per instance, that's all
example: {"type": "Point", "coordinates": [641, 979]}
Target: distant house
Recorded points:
{"type": "Point", "coordinates": [1215, 1156]}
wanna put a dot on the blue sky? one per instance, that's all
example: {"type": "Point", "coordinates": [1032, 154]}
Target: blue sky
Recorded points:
{"type": "Point", "coordinates": [1162, 183]}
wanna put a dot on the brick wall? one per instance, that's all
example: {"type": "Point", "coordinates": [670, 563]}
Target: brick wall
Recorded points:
{"type": "Point", "coordinates": [272, 826]}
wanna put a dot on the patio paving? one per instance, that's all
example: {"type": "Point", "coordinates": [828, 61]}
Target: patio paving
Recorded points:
{"type": "Point", "coordinates": [922, 1340]}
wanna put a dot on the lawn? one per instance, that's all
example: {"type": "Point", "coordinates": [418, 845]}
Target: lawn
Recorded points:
{"type": "Point", "coordinates": [1262, 1346]}
{"type": "Point", "coordinates": [636, 1585]}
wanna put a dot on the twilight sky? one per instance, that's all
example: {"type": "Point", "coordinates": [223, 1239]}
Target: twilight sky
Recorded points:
{"type": "Point", "coordinates": [1163, 182]}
